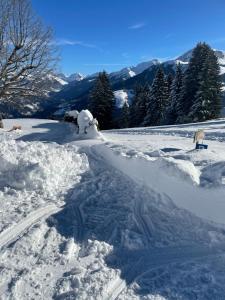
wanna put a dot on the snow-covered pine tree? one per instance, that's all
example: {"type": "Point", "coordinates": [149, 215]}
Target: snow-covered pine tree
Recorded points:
{"type": "Point", "coordinates": [102, 101]}
{"type": "Point", "coordinates": [157, 101]}
{"type": "Point", "coordinates": [174, 106]}
{"type": "Point", "coordinates": [207, 101]}
{"type": "Point", "coordinates": [192, 81]}
{"type": "Point", "coordinates": [125, 116]}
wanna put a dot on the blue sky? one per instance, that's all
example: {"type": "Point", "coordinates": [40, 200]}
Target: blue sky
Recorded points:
{"type": "Point", "coordinates": [102, 34]}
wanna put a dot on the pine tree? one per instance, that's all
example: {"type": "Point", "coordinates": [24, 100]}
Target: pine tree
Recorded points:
{"type": "Point", "coordinates": [207, 101]}
{"type": "Point", "coordinates": [134, 121]}
{"type": "Point", "coordinates": [139, 105]}
{"type": "Point", "coordinates": [173, 107]}
{"type": "Point", "coordinates": [157, 101]}
{"type": "Point", "coordinates": [125, 116]}
{"type": "Point", "coordinates": [143, 99]}
{"type": "Point", "coordinates": [169, 80]}
{"type": "Point", "coordinates": [102, 101]}
{"type": "Point", "coordinates": [194, 81]}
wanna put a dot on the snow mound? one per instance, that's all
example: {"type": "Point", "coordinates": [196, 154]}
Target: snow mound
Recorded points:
{"type": "Point", "coordinates": [45, 168]}
{"type": "Point", "coordinates": [88, 126]}
{"type": "Point", "coordinates": [182, 169]}
{"type": "Point", "coordinates": [213, 175]}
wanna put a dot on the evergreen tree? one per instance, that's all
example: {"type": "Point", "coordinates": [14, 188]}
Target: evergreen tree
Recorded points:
{"type": "Point", "coordinates": [202, 75]}
{"type": "Point", "coordinates": [173, 107]}
{"type": "Point", "coordinates": [139, 105]}
{"type": "Point", "coordinates": [134, 121]}
{"type": "Point", "coordinates": [102, 101]}
{"type": "Point", "coordinates": [125, 116]}
{"type": "Point", "coordinates": [169, 80]}
{"type": "Point", "coordinates": [143, 99]}
{"type": "Point", "coordinates": [157, 100]}
{"type": "Point", "coordinates": [207, 101]}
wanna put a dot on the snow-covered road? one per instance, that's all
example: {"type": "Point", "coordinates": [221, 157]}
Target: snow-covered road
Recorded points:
{"type": "Point", "coordinates": [75, 225]}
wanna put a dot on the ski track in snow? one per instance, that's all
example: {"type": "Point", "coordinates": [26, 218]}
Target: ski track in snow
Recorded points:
{"type": "Point", "coordinates": [12, 233]}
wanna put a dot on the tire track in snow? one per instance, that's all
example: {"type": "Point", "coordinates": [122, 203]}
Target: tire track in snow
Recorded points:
{"type": "Point", "coordinates": [13, 232]}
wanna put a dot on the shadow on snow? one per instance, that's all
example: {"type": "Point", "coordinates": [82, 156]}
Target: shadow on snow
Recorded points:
{"type": "Point", "coordinates": [52, 132]}
{"type": "Point", "coordinates": [147, 231]}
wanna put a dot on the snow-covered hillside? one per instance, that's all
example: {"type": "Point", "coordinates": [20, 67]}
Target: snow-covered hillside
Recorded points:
{"type": "Point", "coordinates": [138, 216]}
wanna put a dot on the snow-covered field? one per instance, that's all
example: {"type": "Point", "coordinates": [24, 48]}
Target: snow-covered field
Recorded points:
{"type": "Point", "coordinates": [140, 215]}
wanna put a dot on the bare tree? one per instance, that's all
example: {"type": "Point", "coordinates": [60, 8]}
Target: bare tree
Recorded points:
{"type": "Point", "coordinates": [27, 53]}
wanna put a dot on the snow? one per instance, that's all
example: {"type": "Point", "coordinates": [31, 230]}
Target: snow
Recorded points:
{"type": "Point", "coordinates": [222, 70]}
{"type": "Point", "coordinates": [72, 113]}
{"type": "Point", "coordinates": [33, 174]}
{"type": "Point", "coordinates": [122, 97]}
{"type": "Point", "coordinates": [131, 73]}
{"type": "Point", "coordinates": [75, 77]}
{"type": "Point", "coordinates": [122, 74]}
{"type": "Point", "coordinates": [58, 79]}
{"type": "Point", "coordinates": [88, 126]}
{"type": "Point", "coordinates": [138, 214]}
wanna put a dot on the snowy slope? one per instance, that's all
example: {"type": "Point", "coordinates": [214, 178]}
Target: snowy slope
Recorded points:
{"type": "Point", "coordinates": [57, 78]}
{"type": "Point", "coordinates": [88, 219]}
{"type": "Point", "coordinates": [190, 178]}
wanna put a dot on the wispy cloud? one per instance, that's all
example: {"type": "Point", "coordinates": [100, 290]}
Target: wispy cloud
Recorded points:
{"type": "Point", "coordinates": [68, 42]}
{"type": "Point", "coordinates": [137, 25]}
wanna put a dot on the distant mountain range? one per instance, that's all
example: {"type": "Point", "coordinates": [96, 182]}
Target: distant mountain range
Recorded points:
{"type": "Point", "coordinates": [74, 94]}
{"type": "Point", "coordinates": [71, 92]}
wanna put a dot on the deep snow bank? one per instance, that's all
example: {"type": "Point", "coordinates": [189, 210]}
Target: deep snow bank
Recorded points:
{"type": "Point", "coordinates": [46, 168]}
{"type": "Point", "coordinates": [35, 173]}
{"type": "Point", "coordinates": [178, 179]}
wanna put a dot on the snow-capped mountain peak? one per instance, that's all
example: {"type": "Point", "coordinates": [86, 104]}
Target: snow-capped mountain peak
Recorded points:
{"type": "Point", "coordinates": [132, 71]}
{"type": "Point", "coordinates": [75, 77]}
{"type": "Point", "coordinates": [57, 78]}
{"type": "Point", "coordinates": [187, 56]}
{"type": "Point", "coordinates": [144, 65]}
